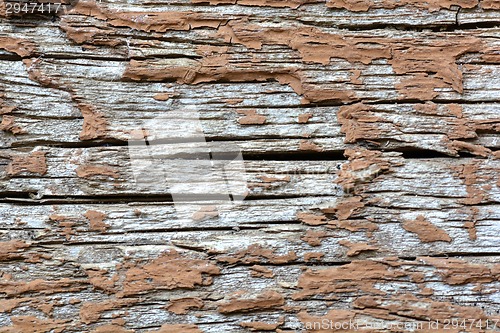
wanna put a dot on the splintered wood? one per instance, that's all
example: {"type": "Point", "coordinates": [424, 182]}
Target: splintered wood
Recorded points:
{"type": "Point", "coordinates": [355, 151]}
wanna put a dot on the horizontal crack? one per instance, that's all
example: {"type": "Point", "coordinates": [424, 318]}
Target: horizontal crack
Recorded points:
{"type": "Point", "coordinates": [24, 199]}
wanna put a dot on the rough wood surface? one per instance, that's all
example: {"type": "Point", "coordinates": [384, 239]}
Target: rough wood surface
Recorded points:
{"type": "Point", "coordinates": [370, 137]}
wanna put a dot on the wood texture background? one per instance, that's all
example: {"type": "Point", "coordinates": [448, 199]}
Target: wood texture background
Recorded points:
{"type": "Point", "coordinates": [370, 133]}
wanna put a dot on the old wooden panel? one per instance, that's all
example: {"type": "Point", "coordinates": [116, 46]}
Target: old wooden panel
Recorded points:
{"type": "Point", "coordinates": [250, 166]}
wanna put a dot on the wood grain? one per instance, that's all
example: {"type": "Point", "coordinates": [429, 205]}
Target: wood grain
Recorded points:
{"type": "Point", "coordinates": [369, 132]}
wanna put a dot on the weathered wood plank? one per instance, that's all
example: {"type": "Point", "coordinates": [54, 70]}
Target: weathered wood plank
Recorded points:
{"type": "Point", "coordinates": [231, 295]}
{"type": "Point", "coordinates": [377, 71]}
{"type": "Point", "coordinates": [225, 229]}
{"type": "Point", "coordinates": [108, 170]}
{"type": "Point", "coordinates": [379, 237]}
{"type": "Point", "coordinates": [224, 114]}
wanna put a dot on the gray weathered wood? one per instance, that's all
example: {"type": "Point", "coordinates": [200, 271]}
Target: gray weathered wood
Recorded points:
{"type": "Point", "coordinates": [369, 131]}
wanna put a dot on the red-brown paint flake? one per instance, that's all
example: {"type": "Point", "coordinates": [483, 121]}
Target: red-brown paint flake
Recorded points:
{"type": "Point", "coordinates": [169, 271]}
{"type": "Point", "coordinates": [313, 256]}
{"type": "Point", "coordinates": [314, 237]}
{"type": "Point", "coordinates": [111, 328]}
{"type": "Point", "coordinates": [96, 220]}
{"type": "Point", "coordinates": [358, 275]}
{"type": "Point", "coordinates": [356, 248]}
{"type": "Point", "coordinates": [255, 254]}
{"type": "Point", "coordinates": [426, 231]}
{"type": "Point", "coordinates": [206, 213]}
{"type": "Point", "coordinates": [87, 171]}
{"type": "Point", "coordinates": [8, 124]}
{"type": "Point", "coordinates": [94, 123]}
{"type": "Point", "coordinates": [304, 118]}
{"type": "Point", "coordinates": [358, 122]}
{"type": "Point", "coordinates": [90, 312]}
{"type": "Point", "coordinates": [430, 5]}
{"type": "Point", "coordinates": [261, 271]}
{"type": "Point", "coordinates": [182, 306]}
{"type": "Point", "coordinates": [312, 219]}
{"type": "Point", "coordinates": [243, 302]}
{"type": "Point", "coordinates": [177, 328]}
{"type": "Point", "coordinates": [34, 162]}
{"type": "Point", "coordinates": [19, 46]}
{"type": "Point", "coordinates": [457, 271]}
{"type": "Point", "coordinates": [261, 326]}
{"type": "Point", "coordinates": [13, 249]}
{"type": "Point", "coordinates": [307, 145]}
{"type": "Point", "coordinates": [31, 324]}
{"type": "Point", "coordinates": [251, 118]}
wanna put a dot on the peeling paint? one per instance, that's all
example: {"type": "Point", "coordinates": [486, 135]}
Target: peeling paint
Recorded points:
{"type": "Point", "coordinates": [35, 163]}
{"type": "Point", "coordinates": [426, 231]}
{"type": "Point", "coordinates": [248, 303]}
